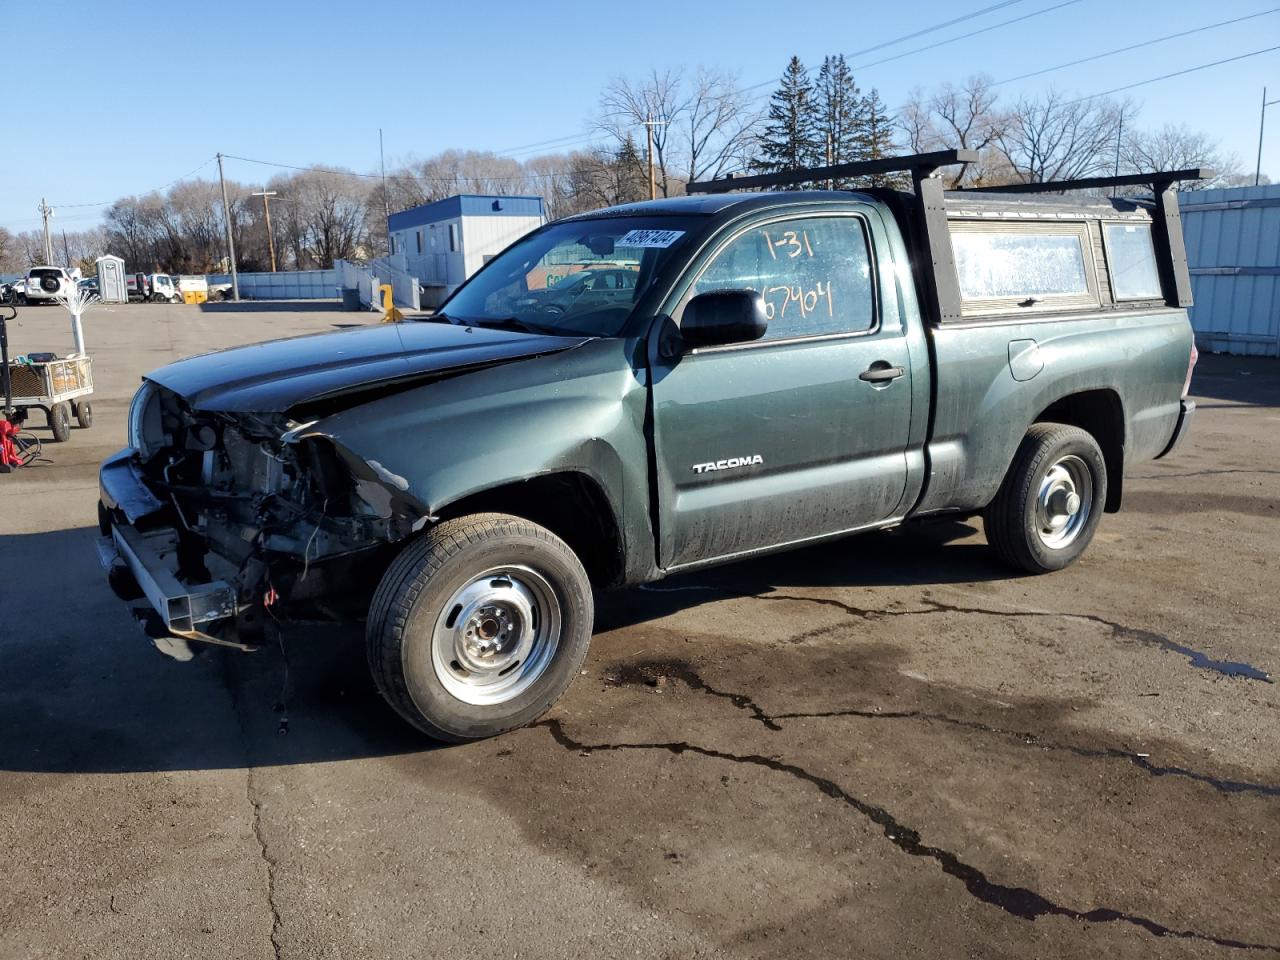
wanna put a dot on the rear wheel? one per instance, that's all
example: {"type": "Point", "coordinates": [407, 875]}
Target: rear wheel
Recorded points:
{"type": "Point", "coordinates": [479, 627]}
{"type": "Point", "coordinates": [1051, 501]}
{"type": "Point", "coordinates": [60, 421]}
{"type": "Point", "coordinates": [84, 414]}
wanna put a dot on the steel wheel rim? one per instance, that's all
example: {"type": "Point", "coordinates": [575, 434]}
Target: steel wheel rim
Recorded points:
{"type": "Point", "coordinates": [496, 635]}
{"type": "Point", "coordinates": [1064, 502]}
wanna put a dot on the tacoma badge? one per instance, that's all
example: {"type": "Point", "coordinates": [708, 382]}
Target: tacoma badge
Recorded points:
{"type": "Point", "coordinates": [748, 461]}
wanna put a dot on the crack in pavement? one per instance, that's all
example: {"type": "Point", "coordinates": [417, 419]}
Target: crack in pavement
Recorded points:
{"type": "Point", "coordinates": [267, 859]}
{"type": "Point", "coordinates": [651, 673]}
{"type": "Point", "coordinates": [1141, 761]}
{"type": "Point", "coordinates": [1120, 631]}
{"type": "Point", "coordinates": [1021, 902]}
{"type": "Point", "coordinates": [1198, 473]}
{"type": "Point", "coordinates": [255, 804]}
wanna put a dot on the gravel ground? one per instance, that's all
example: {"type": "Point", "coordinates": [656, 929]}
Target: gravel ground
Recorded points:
{"type": "Point", "coordinates": [883, 747]}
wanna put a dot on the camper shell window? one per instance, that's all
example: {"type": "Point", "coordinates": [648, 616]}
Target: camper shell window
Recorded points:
{"type": "Point", "coordinates": [1131, 260]}
{"type": "Point", "coordinates": [1008, 267]}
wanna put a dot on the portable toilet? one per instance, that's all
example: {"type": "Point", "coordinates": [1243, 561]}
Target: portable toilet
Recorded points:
{"type": "Point", "coordinates": [112, 285]}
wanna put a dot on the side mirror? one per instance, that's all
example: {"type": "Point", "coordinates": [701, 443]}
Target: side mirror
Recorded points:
{"type": "Point", "coordinates": [722, 317]}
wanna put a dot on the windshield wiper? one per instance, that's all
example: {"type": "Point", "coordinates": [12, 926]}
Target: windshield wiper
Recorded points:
{"type": "Point", "coordinates": [508, 323]}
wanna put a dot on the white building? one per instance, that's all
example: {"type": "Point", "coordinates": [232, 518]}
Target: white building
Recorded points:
{"type": "Point", "coordinates": [445, 242]}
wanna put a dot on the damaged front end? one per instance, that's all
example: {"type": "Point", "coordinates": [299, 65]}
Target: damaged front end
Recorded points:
{"type": "Point", "coordinates": [229, 522]}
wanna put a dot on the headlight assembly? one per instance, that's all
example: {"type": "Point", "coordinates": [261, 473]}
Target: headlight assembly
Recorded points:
{"type": "Point", "coordinates": [145, 430]}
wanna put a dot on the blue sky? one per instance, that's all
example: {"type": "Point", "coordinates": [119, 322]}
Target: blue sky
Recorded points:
{"type": "Point", "coordinates": [312, 82]}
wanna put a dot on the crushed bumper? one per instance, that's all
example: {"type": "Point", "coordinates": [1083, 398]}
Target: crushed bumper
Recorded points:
{"type": "Point", "coordinates": [143, 562]}
{"type": "Point", "coordinates": [151, 559]}
{"type": "Point", "coordinates": [1180, 431]}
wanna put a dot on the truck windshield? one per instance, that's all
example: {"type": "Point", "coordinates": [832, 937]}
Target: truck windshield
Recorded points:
{"type": "Point", "coordinates": [574, 278]}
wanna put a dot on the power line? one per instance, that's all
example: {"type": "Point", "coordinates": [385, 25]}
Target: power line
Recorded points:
{"type": "Point", "coordinates": [107, 203]}
{"type": "Point", "coordinates": [918, 33]}
{"type": "Point", "coordinates": [1137, 46]}
{"type": "Point", "coordinates": [966, 36]}
{"type": "Point", "coordinates": [1176, 73]}
{"type": "Point", "coordinates": [517, 178]}
{"type": "Point", "coordinates": [540, 143]}
{"type": "Point", "coordinates": [936, 26]}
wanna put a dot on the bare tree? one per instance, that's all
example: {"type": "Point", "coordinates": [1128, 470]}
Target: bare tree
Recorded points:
{"type": "Point", "coordinates": [959, 117]}
{"type": "Point", "coordinates": [626, 105]}
{"type": "Point", "coordinates": [716, 129]}
{"type": "Point", "coordinates": [1054, 137]}
{"type": "Point", "coordinates": [10, 261]}
{"type": "Point", "coordinates": [1178, 147]}
{"type": "Point", "coordinates": [703, 123]}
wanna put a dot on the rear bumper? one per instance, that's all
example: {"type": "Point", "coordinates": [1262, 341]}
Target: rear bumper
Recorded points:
{"type": "Point", "coordinates": [1184, 423]}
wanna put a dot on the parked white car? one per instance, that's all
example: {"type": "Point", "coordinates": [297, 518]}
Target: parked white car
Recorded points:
{"type": "Point", "coordinates": [44, 283]}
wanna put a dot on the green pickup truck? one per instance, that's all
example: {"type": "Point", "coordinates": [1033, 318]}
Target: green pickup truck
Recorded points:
{"type": "Point", "coordinates": [646, 390]}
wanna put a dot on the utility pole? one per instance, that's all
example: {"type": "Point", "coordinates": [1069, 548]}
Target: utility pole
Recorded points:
{"type": "Point", "coordinates": [231, 243]}
{"type": "Point", "coordinates": [66, 250]}
{"type": "Point", "coordinates": [1262, 126]}
{"type": "Point", "coordinates": [46, 212]}
{"type": "Point", "coordinates": [266, 210]}
{"type": "Point", "coordinates": [649, 124]}
{"type": "Point", "coordinates": [1119, 140]}
{"type": "Point", "coordinates": [386, 201]}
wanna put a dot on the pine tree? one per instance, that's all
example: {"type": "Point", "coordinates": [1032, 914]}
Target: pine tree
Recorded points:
{"type": "Point", "coordinates": [875, 138]}
{"type": "Point", "coordinates": [630, 173]}
{"type": "Point", "coordinates": [789, 140]}
{"type": "Point", "coordinates": [840, 113]}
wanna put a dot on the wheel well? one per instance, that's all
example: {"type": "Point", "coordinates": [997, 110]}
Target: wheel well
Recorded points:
{"type": "Point", "coordinates": [570, 505]}
{"type": "Point", "coordinates": [1101, 414]}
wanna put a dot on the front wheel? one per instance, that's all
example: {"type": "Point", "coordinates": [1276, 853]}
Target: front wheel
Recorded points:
{"type": "Point", "coordinates": [1051, 501]}
{"type": "Point", "coordinates": [479, 627]}
{"type": "Point", "coordinates": [60, 421]}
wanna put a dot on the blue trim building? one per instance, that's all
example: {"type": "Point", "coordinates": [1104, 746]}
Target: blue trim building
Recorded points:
{"type": "Point", "coordinates": [444, 242]}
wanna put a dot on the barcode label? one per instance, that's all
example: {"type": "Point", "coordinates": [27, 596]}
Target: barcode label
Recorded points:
{"type": "Point", "coordinates": [649, 238]}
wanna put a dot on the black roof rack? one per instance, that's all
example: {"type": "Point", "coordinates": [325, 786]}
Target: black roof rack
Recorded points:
{"type": "Point", "coordinates": [929, 232]}
{"type": "Point", "coordinates": [1158, 179]}
{"type": "Point", "coordinates": [922, 163]}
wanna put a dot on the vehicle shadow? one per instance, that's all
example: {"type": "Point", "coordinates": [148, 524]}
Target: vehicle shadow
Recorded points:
{"type": "Point", "coordinates": [1248, 380]}
{"type": "Point", "coordinates": [273, 306]}
{"type": "Point", "coordinates": [917, 554]}
{"type": "Point", "coordinates": [84, 690]}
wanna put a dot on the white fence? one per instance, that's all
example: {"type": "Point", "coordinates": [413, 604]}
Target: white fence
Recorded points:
{"type": "Point", "coordinates": [285, 284]}
{"type": "Point", "coordinates": [405, 291]}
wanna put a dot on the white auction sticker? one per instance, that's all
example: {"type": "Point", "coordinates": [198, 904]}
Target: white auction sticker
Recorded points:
{"type": "Point", "coordinates": [649, 238]}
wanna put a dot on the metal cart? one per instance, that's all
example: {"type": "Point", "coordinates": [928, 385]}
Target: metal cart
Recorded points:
{"type": "Point", "coordinates": [60, 386]}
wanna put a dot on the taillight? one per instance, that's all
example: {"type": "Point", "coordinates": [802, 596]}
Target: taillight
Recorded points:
{"type": "Point", "coordinates": [1191, 367]}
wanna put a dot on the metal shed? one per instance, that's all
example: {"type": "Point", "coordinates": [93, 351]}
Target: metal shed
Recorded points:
{"type": "Point", "coordinates": [1233, 250]}
{"type": "Point", "coordinates": [445, 242]}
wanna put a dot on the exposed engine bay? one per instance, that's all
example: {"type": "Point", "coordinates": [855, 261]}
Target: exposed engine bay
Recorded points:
{"type": "Point", "coordinates": [292, 521]}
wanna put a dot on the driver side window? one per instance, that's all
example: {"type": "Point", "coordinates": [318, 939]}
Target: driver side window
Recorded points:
{"type": "Point", "coordinates": [813, 272]}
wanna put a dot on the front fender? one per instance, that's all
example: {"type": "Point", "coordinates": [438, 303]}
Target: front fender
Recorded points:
{"type": "Point", "coordinates": [580, 411]}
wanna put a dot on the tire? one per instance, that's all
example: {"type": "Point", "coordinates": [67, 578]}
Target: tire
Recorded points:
{"type": "Point", "coordinates": [1030, 523]}
{"type": "Point", "coordinates": [479, 627]}
{"type": "Point", "coordinates": [158, 298]}
{"type": "Point", "coordinates": [50, 284]}
{"type": "Point", "coordinates": [84, 414]}
{"type": "Point", "coordinates": [60, 421]}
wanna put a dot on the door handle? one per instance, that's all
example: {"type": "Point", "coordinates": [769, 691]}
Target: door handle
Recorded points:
{"type": "Point", "coordinates": [881, 372]}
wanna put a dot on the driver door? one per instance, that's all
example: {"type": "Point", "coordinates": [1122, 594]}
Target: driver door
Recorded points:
{"type": "Point", "coordinates": [783, 439]}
